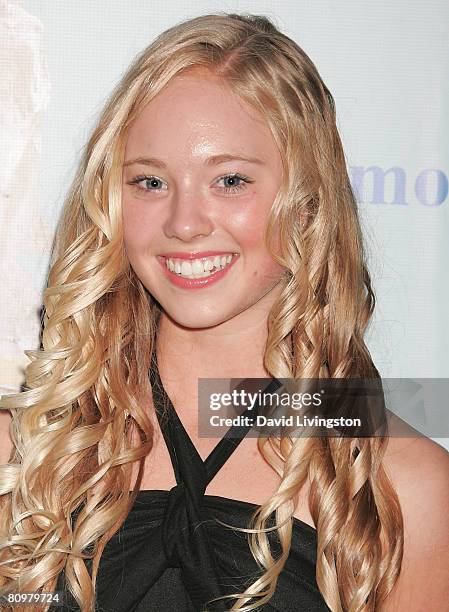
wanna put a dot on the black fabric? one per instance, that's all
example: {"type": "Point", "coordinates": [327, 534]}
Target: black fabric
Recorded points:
{"type": "Point", "coordinates": [171, 554]}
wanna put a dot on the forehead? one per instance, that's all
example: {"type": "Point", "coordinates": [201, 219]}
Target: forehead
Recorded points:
{"type": "Point", "coordinates": [197, 113]}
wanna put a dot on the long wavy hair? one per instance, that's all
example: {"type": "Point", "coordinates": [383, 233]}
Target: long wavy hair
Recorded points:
{"type": "Point", "coordinates": [82, 421]}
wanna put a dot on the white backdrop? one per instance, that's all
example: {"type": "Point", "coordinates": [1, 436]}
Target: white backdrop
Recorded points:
{"type": "Point", "coordinates": [387, 67]}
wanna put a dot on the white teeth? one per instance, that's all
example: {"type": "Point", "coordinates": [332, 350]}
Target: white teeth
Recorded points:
{"type": "Point", "coordinates": [197, 268]}
{"type": "Point", "coordinates": [186, 268]}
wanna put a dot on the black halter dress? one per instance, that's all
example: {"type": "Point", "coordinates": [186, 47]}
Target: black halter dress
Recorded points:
{"type": "Point", "coordinates": [171, 555]}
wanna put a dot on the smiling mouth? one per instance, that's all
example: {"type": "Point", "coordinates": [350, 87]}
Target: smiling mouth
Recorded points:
{"type": "Point", "coordinates": [184, 276]}
{"type": "Point", "coordinates": [198, 268]}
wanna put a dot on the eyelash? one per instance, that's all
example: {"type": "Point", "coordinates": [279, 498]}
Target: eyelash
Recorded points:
{"type": "Point", "coordinates": [227, 190]}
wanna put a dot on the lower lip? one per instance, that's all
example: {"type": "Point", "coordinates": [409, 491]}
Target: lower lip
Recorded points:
{"type": "Point", "coordinates": [195, 283]}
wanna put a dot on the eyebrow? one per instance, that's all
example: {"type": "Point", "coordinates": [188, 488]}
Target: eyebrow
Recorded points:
{"type": "Point", "coordinates": [214, 160]}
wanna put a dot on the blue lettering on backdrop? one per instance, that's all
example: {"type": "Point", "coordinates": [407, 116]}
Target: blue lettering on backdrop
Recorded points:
{"type": "Point", "coordinates": [421, 187]}
{"type": "Point", "coordinates": [425, 190]}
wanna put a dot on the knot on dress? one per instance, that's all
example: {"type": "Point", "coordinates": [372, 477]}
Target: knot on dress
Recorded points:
{"type": "Point", "coordinates": [186, 541]}
{"type": "Point", "coordinates": [183, 529]}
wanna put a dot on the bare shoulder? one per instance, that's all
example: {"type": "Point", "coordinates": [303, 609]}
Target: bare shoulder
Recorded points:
{"type": "Point", "coordinates": [419, 471]}
{"type": "Point", "coordinates": [5, 439]}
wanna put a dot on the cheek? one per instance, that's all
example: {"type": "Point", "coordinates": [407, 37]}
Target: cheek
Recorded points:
{"type": "Point", "coordinates": [248, 228]}
{"type": "Point", "coordinates": [137, 227]}
{"type": "Point", "coordinates": [247, 224]}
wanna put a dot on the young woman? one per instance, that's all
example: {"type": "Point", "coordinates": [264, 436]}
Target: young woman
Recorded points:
{"type": "Point", "coordinates": [163, 273]}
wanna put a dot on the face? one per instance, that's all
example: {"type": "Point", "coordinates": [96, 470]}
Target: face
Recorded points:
{"type": "Point", "coordinates": [200, 175]}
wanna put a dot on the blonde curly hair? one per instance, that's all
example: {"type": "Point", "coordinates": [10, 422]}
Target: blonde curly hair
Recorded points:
{"type": "Point", "coordinates": [83, 421]}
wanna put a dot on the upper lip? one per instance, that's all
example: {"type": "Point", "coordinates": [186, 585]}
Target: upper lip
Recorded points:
{"type": "Point", "coordinates": [195, 255]}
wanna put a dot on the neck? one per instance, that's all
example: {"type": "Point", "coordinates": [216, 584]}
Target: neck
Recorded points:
{"type": "Point", "coordinates": [222, 351]}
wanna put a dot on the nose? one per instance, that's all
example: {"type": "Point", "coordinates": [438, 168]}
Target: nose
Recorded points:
{"type": "Point", "coordinates": [189, 216]}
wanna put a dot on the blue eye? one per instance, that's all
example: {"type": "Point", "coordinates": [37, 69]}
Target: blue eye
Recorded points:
{"type": "Point", "coordinates": [238, 182]}
{"type": "Point", "coordinates": [147, 183]}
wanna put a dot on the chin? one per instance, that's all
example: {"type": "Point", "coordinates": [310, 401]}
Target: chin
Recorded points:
{"type": "Point", "coordinates": [196, 319]}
